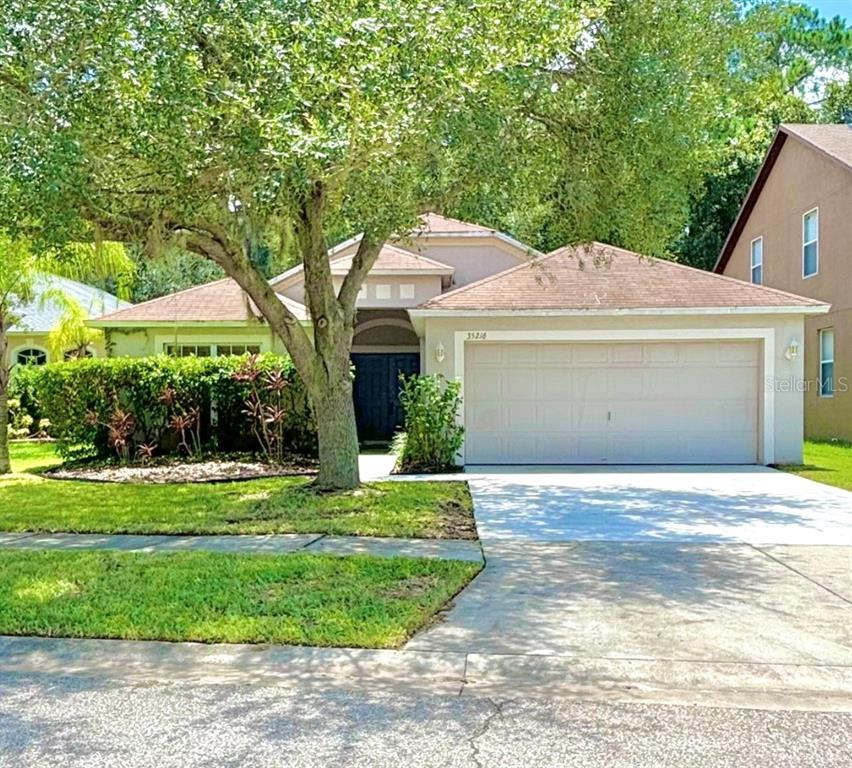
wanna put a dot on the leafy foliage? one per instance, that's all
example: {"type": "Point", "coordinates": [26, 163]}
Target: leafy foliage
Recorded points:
{"type": "Point", "coordinates": [432, 436]}
{"type": "Point", "coordinates": [246, 129]}
{"type": "Point", "coordinates": [788, 64]}
{"type": "Point", "coordinates": [136, 407]}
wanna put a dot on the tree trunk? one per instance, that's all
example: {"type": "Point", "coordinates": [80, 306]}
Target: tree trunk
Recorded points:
{"type": "Point", "coordinates": [337, 437]}
{"type": "Point", "coordinates": [5, 461]}
{"type": "Point", "coordinates": [323, 362]}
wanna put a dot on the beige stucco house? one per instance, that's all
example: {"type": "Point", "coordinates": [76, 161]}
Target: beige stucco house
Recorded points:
{"type": "Point", "coordinates": [794, 232]}
{"type": "Point", "coordinates": [590, 356]}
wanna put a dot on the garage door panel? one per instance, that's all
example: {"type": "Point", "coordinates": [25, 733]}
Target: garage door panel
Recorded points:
{"type": "Point", "coordinates": [483, 416]}
{"type": "Point", "coordinates": [482, 354]}
{"type": "Point", "coordinates": [519, 385]}
{"type": "Point", "coordinates": [486, 385]}
{"type": "Point", "coordinates": [732, 352]}
{"type": "Point", "coordinates": [661, 353]}
{"type": "Point", "coordinates": [520, 416]}
{"type": "Point", "coordinates": [584, 354]}
{"type": "Point", "coordinates": [597, 403]}
{"type": "Point", "coordinates": [514, 354]}
{"type": "Point", "coordinates": [556, 417]}
{"type": "Point", "coordinates": [590, 414]}
{"type": "Point", "coordinates": [555, 384]}
{"type": "Point", "coordinates": [555, 355]}
{"type": "Point", "coordinates": [625, 383]}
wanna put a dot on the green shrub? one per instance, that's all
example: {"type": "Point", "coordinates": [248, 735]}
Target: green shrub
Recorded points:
{"type": "Point", "coordinates": [26, 411]}
{"type": "Point", "coordinates": [432, 436]}
{"type": "Point", "coordinates": [141, 407]}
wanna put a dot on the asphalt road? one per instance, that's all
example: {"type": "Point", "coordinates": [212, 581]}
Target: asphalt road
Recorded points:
{"type": "Point", "coordinates": [86, 722]}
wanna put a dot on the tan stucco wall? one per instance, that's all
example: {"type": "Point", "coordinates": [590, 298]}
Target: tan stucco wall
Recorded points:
{"type": "Point", "coordinates": [150, 341]}
{"type": "Point", "coordinates": [829, 417]}
{"type": "Point", "coordinates": [472, 258]}
{"type": "Point", "coordinates": [788, 401]}
{"type": "Point", "coordinates": [803, 179]}
{"type": "Point", "coordinates": [425, 288]}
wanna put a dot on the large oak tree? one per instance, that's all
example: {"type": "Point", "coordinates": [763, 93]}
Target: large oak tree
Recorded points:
{"type": "Point", "coordinates": [228, 127]}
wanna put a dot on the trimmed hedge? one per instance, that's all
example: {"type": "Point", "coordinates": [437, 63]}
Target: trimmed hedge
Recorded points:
{"type": "Point", "coordinates": [142, 407]}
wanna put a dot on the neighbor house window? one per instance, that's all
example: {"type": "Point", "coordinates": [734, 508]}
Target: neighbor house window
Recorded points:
{"type": "Point", "coordinates": [810, 243]}
{"type": "Point", "coordinates": [78, 354]}
{"type": "Point", "coordinates": [757, 260]}
{"type": "Point", "coordinates": [406, 291]}
{"type": "Point", "coordinates": [31, 356]}
{"type": "Point", "coordinates": [362, 291]}
{"type": "Point", "coordinates": [237, 349]}
{"type": "Point", "coordinates": [383, 291]}
{"type": "Point", "coordinates": [826, 362]}
{"type": "Point", "coordinates": [188, 350]}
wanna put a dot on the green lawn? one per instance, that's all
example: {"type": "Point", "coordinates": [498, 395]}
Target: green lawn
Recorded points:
{"type": "Point", "coordinates": [829, 463]}
{"type": "Point", "coordinates": [274, 505]}
{"type": "Point", "coordinates": [298, 599]}
{"type": "Point", "coordinates": [32, 456]}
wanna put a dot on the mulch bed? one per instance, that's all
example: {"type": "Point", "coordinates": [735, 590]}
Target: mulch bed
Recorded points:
{"type": "Point", "coordinates": [210, 471]}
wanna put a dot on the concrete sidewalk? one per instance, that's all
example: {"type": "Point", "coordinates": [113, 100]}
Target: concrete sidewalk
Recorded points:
{"type": "Point", "coordinates": [763, 686]}
{"type": "Point", "coordinates": [272, 544]}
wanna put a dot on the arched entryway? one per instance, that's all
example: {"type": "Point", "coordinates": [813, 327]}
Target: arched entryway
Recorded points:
{"type": "Point", "coordinates": [384, 347]}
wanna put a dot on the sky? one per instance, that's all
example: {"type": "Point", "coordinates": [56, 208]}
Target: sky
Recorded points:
{"type": "Point", "coordinates": [831, 8]}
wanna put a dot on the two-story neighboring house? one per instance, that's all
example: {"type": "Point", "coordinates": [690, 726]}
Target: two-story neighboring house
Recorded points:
{"type": "Point", "coordinates": [587, 355]}
{"type": "Point", "coordinates": [794, 232]}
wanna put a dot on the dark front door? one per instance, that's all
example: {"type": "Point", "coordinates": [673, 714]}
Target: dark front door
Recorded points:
{"type": "Point", "coordinates": [376, 392]}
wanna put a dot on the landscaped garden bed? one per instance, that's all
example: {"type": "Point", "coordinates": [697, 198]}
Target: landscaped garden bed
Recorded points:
{"type": "Point", "coordinates": [29, 502]}
{"type": "Point", "coordinates": [211, 470]}
{"type": "Point", "coordinates": [303, 599]}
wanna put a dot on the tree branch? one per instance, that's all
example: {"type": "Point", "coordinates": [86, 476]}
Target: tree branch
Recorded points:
{"type": "Point", "coordinates": [362, 263]}
{"type": "Point", "coordinates": [208, 240]}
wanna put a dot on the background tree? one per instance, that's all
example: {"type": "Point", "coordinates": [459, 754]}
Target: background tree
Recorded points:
{"type": "Point", "coordinates": [227, 127]}
{"type": "Point", "coordinates": [788, 64]}
{"type": "Point", "coordinates": [23, 271]}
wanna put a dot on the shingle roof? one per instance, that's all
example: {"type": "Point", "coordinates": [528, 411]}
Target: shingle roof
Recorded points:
{"type": "Point", "coordinates": [570, 279]}
{"type": "Point", "coordinates": [434, 224]}
{"type": "Point", "coordinates": [834, 140]}
{"type": "Point", "coordinates": [394, 259]}
{"type": "Point", "coordinates": [219, 301]}
{"type": "Point", "coordinates": [43, 313]}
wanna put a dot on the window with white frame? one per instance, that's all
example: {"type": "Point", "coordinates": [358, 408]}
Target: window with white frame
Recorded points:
{"type": "Point", "coordinates": [383, 291]}
{"type": "Point", "coordinates": [810, 243]}
{"type": "Point", "coordinates": [237, 349]}
{"type": "Point", "coordinates": [826, 362]}
{"type": "Point", "coordinates": [362, 291]}
{"type": "Point", "coordinates": [757, 261]}
{"type": "Point", "coordinates": [188, 350]}
{"type": "Point", "coordinates": [406, 291]}
{"type": "Point", "coordinates": [207, 350]}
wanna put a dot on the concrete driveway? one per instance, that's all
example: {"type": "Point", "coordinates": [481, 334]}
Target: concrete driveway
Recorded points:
{"type": "Point", "coordinates": [729, 565]}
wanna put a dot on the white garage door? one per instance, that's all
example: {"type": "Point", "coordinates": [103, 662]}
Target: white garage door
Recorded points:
{"type": "Point", "coordinates": [613, 403]}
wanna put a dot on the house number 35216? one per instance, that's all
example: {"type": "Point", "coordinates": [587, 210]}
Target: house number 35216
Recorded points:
{"type": "Point", "coordinates": [476, 335]}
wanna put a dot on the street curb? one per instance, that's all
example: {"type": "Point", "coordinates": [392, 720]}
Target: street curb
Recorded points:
{"type": "Point", "coordinates": [707, 683]}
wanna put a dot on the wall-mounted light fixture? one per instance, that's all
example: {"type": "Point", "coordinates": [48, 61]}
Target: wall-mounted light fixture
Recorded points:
{"type": "Point", "coordinates": [440, 353]}
{"type": "Point", "coordinates": [792, 351]}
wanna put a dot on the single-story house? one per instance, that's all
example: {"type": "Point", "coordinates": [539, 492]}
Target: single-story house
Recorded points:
{"type": "Point", "coordinates": [28, 337]}
{"type": "Point", "coordinates": [587, 355]}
